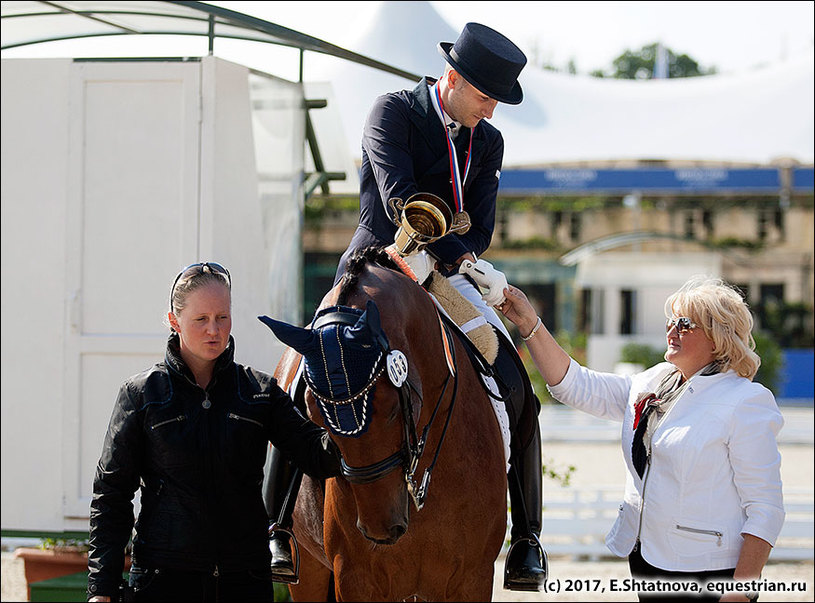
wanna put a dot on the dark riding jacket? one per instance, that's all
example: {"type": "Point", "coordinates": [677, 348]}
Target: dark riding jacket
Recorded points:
{"type": "Point", "coordinates": [404, 151]}
{"type": "Point", "coordinates": [198, 456]}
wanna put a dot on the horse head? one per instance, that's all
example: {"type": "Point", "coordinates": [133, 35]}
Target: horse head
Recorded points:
{"type": "Point", "coordinates": [342, 351]}
{"type": "Point", "coordinates": [360, 390]}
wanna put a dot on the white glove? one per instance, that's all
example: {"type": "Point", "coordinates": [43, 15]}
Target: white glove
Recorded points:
{"type": "Point", "coordinates": [422, 265]}
{"type": "Point", "coordinates": [492, 281]}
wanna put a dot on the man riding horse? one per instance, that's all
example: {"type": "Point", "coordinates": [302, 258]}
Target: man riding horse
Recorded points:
{"type": "Point", "coordinates": [435, 139]}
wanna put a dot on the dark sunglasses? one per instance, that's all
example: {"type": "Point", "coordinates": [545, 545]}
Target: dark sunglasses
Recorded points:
{"type": "Point", "coordinates": [200, 268]}
{"type": "Point", "coordinates": [683, 325]}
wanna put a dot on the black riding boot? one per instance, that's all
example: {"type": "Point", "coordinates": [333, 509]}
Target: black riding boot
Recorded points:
{"type": "Point", "coordinates": [526, 566]}
{"type": "Point", "coordinates": [280, 489]}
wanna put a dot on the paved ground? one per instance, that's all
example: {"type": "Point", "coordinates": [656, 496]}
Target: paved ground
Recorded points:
{"type": "Point", "coordinates": [597, 574]}
{"type": "Point", "coordinates": [592, 581]}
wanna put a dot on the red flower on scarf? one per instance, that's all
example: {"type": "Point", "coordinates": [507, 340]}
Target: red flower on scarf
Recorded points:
{"type": "Point", "coordinates": [642, 401]}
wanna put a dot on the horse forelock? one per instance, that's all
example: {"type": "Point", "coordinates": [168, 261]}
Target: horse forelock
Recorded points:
{"type": "Point", "coordinates": [356, 265]}
{"type": "Point", "coordinates": [408, 317]}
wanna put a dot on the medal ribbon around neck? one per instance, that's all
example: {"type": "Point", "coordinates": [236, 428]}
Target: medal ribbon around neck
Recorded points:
{"type": "Point", "coordinates": [455, 175]}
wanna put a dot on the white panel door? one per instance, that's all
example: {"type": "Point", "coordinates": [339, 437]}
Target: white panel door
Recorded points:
{"type": "Point", "coordinates": [132, 223]}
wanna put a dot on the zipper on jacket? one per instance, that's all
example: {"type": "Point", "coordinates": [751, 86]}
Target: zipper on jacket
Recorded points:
{"type": "Point", "coordinates": [647, 473]}
{"type": "Point", "coordinates": [715, 533]}
{"type": "Point", "coordinates": [177, 419]}
{"type": "Point", "coordinates": [232, 415]}
{"type": "Point", "coordinates": [644, 484]}
{"type": "Point", "coordinates": [209, 436]}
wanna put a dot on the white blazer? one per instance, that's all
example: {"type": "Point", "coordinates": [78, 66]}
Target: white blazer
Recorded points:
{"type": "Point", "coordinates": [714, 472]}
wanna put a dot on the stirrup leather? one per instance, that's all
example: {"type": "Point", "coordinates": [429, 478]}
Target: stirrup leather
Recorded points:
{"type": "Point", "coordinates": [285, 578]}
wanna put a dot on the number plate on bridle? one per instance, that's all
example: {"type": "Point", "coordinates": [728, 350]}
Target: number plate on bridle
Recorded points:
{"type": "Point", "coordinates": [397, 367]}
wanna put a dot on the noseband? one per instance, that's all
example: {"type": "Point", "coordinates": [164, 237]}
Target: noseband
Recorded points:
{"type": "Point", "coordinates": [413, 444]}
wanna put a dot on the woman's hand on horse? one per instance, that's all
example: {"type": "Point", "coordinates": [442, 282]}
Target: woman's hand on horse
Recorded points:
{"type": "Point", "coordinates": [518, 310]}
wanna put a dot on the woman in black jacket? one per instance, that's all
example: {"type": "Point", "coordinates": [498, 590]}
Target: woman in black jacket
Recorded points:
{"type": "Point", "coordinates": [192, 432]}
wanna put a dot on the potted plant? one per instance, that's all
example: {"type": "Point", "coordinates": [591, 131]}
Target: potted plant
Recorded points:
{"type": "Point", "coordinates": [55, 558]}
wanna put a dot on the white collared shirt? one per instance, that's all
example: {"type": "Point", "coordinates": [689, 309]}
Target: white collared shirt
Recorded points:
{"type": "Point", "coordinates": [452, 124]}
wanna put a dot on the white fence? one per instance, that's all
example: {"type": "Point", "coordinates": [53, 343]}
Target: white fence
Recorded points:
{"type": "Point", "coordinates": [576, 520]}
{"type": "Point", "coordinates": [797, 539]}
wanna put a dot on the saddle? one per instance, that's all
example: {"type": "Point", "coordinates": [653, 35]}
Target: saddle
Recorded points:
{"type": "Point", "coordinates": [490, 352]}
{"type": "Point", "coordinates": [492, 355]}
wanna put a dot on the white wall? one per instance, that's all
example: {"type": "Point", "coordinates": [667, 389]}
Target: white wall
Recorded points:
{"type": "Point", "coordinates": [35, 141]}
{"type": "Point", "coordinates": [115, 176]}
{"type": "Point", "coordinates": [654, 277]}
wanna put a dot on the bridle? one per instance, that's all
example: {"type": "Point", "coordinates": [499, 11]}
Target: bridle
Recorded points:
{"type": "Point", "coordinates": [413, 444]}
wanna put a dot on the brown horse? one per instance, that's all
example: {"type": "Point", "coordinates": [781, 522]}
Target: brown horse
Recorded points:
{"type": "Point", "coordinates": [375, 533]}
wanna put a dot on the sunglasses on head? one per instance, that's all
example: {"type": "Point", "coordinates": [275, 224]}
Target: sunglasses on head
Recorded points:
{"type": "Point", "coordinates": [683, 324]}
{"type": "Point", "coordinates": [200, 268]}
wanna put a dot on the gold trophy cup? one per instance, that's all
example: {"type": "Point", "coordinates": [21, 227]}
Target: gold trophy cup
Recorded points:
{"type": "Point", "coordinates": [423, 219]}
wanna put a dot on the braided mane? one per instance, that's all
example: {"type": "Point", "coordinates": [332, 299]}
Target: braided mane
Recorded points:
{"type": "Point", "coordinates": [356, 264]}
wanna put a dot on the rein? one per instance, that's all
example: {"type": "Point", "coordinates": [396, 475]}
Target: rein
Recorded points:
{"type": "Point", "coordinates": [413, 445]}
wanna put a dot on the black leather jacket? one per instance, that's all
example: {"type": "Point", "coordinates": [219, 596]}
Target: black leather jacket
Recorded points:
{"type": "Point", "coordinates": [198, 457]}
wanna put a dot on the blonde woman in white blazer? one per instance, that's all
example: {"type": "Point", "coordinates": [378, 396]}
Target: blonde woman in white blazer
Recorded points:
{"type": "Point", "coordinates": [703, 494]}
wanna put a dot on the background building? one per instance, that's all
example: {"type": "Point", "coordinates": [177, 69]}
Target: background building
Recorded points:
{"type": "Point", "coordinates": [614, 192]}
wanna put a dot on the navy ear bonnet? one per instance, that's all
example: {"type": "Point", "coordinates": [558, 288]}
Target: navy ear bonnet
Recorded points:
{"type": "Point", "coordinates": [344, 355]}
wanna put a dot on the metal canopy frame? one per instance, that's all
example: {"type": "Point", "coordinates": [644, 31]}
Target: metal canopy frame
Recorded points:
{"type": "Point", "coordinates": [73, 20]}
{"type": "Point", "coordinates": [42, 22]}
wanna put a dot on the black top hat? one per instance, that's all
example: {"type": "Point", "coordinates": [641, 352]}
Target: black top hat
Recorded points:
{"type": "Point", "coordinates": [488, 60]}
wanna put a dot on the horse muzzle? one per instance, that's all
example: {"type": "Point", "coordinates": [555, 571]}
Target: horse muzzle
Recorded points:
{"type": "Point", "coordinates": [393, 534]}
{"type": "Point", "coordinates": [383, 510]}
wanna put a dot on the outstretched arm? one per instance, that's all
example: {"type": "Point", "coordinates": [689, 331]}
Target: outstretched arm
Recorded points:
{"type": "Point", "coordinates": [551, 359]}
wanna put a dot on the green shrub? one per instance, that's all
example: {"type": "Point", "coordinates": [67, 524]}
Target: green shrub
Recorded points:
{"type": "Point", "coordinates": [772, 361]}
{"type": "Point", "coordinates": [642, 354]}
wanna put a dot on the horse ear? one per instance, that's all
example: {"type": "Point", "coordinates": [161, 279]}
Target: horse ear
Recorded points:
{"type": "Point", "coordinates": [369, 327]}
{"type": "Point", "coordinates": [302, 340]}
{"type": "Point", "coordinates": [371, 318]}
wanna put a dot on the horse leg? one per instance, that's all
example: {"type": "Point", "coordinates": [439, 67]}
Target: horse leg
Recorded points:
{"type": "Point", "coordinates": [316, 578]}
{"type": "Point", "coordinates": [475, 584]}
{"type": "Point", "coordinates": [316, 581]}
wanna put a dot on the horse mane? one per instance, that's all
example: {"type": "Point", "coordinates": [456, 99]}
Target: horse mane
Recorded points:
{"type": "Point", "coordinates": [357, 263]}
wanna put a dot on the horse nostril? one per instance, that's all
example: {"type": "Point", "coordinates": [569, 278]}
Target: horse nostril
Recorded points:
{"type": "Point", "coordinates": [398, 531]}
{"type": "Point", "coordinates": [394, 534]}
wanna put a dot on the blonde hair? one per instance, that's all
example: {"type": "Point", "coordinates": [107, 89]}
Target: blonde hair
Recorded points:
{"type": "Point", "coordinates": [720, 310]}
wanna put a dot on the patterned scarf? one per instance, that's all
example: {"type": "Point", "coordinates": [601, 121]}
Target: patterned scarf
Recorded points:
{"type": "Point", "coordinates": [652, 406]}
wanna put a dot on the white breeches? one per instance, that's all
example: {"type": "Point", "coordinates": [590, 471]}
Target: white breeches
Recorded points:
{"type": "Point", "coordinates": [473, 295]}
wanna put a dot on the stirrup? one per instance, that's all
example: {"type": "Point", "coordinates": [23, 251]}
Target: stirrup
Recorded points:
{"type": "Point", "coordinates": [543, 560]}
{"type": "Point", "coordinates": [287, 578]}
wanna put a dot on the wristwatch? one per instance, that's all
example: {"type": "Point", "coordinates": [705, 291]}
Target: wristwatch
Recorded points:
{"type": "Point", "coordinates": [751, 595]}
